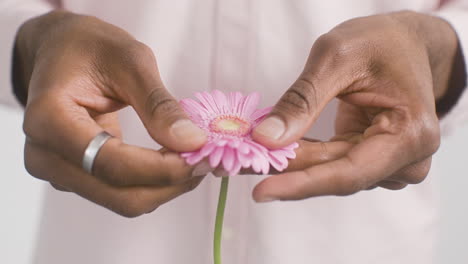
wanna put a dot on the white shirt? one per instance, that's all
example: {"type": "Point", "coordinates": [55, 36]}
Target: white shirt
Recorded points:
{"type": "Point", "coordinates": [238, 45]}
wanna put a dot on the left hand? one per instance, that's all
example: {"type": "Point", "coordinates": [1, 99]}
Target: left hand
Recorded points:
{"type": "Point", "coordinates": [387, 70]}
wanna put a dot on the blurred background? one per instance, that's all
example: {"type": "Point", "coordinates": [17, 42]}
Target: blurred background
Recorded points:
{"type": "Point", "coordinates": [21, 198]}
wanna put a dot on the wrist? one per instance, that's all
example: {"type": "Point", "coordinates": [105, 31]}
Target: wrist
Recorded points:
{"type": "Point", "coordinates": [440, 42]}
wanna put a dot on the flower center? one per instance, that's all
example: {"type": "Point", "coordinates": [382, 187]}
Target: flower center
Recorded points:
{"type": "Point", "coordinates": [230, 125]}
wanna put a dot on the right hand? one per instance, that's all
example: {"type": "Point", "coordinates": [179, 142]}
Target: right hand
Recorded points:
{"type": "Point", "coordinates": [77, 72]}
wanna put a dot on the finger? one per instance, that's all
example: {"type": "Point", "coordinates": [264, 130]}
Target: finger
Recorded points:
{"type": "Point", "coordinates": [160, 112]}
{"type": "Point", "coordinates": [311, 153]}
{"type": "Point", "coordinates": [365, 164]}
{"type": "Point", "coordinates": [128, 201]}
{"type": "Point", "coordinates": [121, 164]}
{"type": "Point", "coordinates": [392, 185]}
{"type": "Point", "coordinates": [323, 77]}
{"type": "Point", "coordinates": [67, 129]}
{"type": "Point", "coordinates": [59, 187]}
{"type": "Point", "coordinates": [414, 173]}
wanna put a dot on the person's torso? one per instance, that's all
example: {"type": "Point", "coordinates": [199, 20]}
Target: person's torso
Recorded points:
{"type": "Point", "coordinates": [240, 45]}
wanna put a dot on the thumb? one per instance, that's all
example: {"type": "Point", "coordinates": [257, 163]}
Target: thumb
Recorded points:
{"type": "Point", "coordinates": [164, 119]}
{"type": "Point", "coordinates": [293, 115]}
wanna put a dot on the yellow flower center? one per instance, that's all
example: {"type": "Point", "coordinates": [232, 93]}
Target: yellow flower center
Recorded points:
{"type": "Point", "coordinates": [230, 125]}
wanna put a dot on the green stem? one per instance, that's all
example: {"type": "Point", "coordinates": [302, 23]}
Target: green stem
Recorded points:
{"type": "Point", "coordinates": [219, 220]}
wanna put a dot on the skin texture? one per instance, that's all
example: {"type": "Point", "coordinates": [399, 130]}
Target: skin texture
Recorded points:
{"type": "Point", "coordinates": [78, 71]}
{"type": "Point", "coordinates": [74, 72]}
{"type": "Point", "coordinates": [387, 72]}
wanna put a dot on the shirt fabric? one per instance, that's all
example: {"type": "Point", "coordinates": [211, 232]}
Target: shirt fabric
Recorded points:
{"type": "Point", "coordinates": [238, 45]}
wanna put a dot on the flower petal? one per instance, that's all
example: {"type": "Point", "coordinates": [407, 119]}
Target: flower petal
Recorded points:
{"type": "Point", "coordinates": [215, 157]}
{"type": "Point", "coordinates": [244, 148]}
{"type": "Point", "coordinates": [228, 158]}
{"type": "Point", "coordinates": [207, 149]}
{"type": "Point", "coordinates": [221, 101]}
{"type": "Point", "coordinates": [244, 159]}
{"type": "Point", "coordinates": [193, 107]}
{"type": "Point", "coordinates": [259, 114]}
{"type": "Point", "coordinates": [194, 159]}
{"type": "Point", "coordinates": [235, 100]}
{"type": "Point", "coordinates": [234, 143]}
{"type": "Point", "coordinates": [236, 168]}
{"type": "Point", "coordinates": [275, 163]}
{"type": "Point", "coordinates": [204, 100]}
{"type": "Point", "coordinates": [187, 154]}
{"type": "Point", "coordinates": [250, 104]}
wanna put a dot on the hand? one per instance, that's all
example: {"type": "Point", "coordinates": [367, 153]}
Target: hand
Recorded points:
{"type": "Point", "coordinates": [387, 71]}
{"type": "Point", "coordinates": [78, 71]}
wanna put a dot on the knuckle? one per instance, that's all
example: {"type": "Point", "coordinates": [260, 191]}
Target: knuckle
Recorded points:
{"type": "Point", "coordinates": [133, 205]}
{"type": "Point", "coordinates": [35, 117]}
{"type": "Point", "coordinates": [193, 184]}
{"type": "Point", "coordinates": [112, 173]}
{"type": "Point", "coordinates": [424, 135]}
{"type": "Point", "coordinates": [416, 173]}
{"type": "Point", "coordinates": [348, 185]}
{"type": "Point", "coordinates": [30, 168]}
{"type": "Point", "coordinates": [160, 102]}
{"type": "Point", "coordinates": [300, 98]}
{"type": "Point", "coordinates": [335, 46]}
{"type": "Point", "coordinates": [59, 187]}
{"type": "Point", "coordinates": [30, 165]}
{"type": "Point", "coordinates": [324, 153]}
{"type": "Point", "coordinates": [139, 55]}
{"type": "Point", "coordinates": [417, 177]}
{"type": "Point", "coordinates": [430, 136]}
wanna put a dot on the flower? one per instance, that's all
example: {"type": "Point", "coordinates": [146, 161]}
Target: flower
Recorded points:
{"type": "Point", "coordinates": [229, 120]}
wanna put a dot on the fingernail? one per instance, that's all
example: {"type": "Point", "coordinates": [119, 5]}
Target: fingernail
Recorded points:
{"type": "Point", "coordinates": [184, 128]}
{"type": "Point", "coordinates": [265, 199]}
{"type": "Point", "coordinates": [201, 169]}
{"type": "Point", "coordinates": [272, 127]}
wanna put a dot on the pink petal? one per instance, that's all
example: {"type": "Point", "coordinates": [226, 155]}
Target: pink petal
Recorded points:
{"type": "Point", "coordinates": [194, 159]}
{"type": "Point", "coordinates": [215, 157]}
{"type": "Point", "coordinates": [259, 163]}
{"type": "Point", "coordinates": [279, 156]}
{"type": "Point", "coordinates": [187, 154]}
{"type": "Point", "coordinates": [221, 101]}
{"type": "Point", "coordinates": [234, 143]}
{"type": "Point", "coordinates": [250, 104]}
{"type": "Point", "coordinates": [204, 99]}
{"type": "Point", "coordinates": [211, 100]}
{"type": "Point", "coordinates": [265, 166]}
{"type": "Point", "coordinates": [234, 102]}
{"type": "Point", "coordinates": [228, 159]}
{"type": "Point", "coordinates": [192, 107]}
{"type": "Point", "coordinates": [236, 168]}
{"type": "Point", "coordinates": [244, 148]}
{"type": "Point", "coordinates": [290, 154]}
{"type": "Point", "coordinates": [254, 146]}
{"type": "Point", "coordinates": [285, 152]}
{"type": "Point", "coordinates": [244, 160]}
{"type": "Point", "coordinates": [259, 114]}
{"type": "Point", "coordinates": [278, 165]}
{"type": "Point", "coordinates": [292, 146]}
{"type": "Point", "coordinates": [207, 149]}
{"type": "Point", "coordinates": [220, 142]}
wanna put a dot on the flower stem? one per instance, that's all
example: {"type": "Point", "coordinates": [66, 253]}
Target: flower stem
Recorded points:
{"type": "Point", "coordinates": [219, 220]}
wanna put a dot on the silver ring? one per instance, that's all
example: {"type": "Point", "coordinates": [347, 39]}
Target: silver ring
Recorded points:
{"type": "Point", "coordinates": [93, 149]}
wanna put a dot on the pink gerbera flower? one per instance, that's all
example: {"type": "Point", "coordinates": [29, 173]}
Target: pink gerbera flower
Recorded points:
{"type": "Point", "coordinates": [229, 120]}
